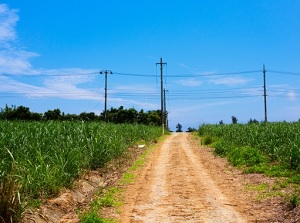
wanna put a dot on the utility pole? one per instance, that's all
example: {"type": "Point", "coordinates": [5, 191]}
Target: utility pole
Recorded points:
{"type": "Point", "coordinates": [265, 93]}
{"type": "Point", "coordinates": [165, 110]}
{"type": "Point", "coordinates": [105, 91]}
{"type": "Point", "coordinates": [161, 94]}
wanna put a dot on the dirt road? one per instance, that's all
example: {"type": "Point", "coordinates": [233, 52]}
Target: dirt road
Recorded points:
{"type": "Point", "coordinates": [180, 183]}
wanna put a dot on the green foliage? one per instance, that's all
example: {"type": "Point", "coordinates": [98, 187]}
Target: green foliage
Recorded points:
{"type": "Point", "coordinates": [279, 141]}
{"type": "Point", "coordinates": [18, 113]}
{"type": "Point", "coordinates": [253, 121]}
{"type": "Point", "coordinates": [179, 127]}
{"type": "Point", "coordinates": [293, 198]}
{"type": "Point", "coordinates": [258, 187]}
{"type": "Point", "coordinates": [295, 179]}
{"type": "Point", "coordinates": [234, 120]}
{"type": "Point", "coordinates": [92, 218]}
{"type": "Point", "coordinates": [246, 156]}
{"type": "Point", "coordinates": [10, 202]}
{"type": "Point", "coordinates": [122, 115]}
{"type": "Point", "coordinates": [39, 158]}
{"type": "Point", "coordinates": [116, 116]}
{"type": "Point", "coordinates": [221, 148]}
{"type": "Point", "coordinates": [190, 129]}
{"type": "Point", "coordinates": [207, 140]}
{"type": "Point", "coordinates": [109, 198]}
{"type": "Point", "coordinates": [127, 178]}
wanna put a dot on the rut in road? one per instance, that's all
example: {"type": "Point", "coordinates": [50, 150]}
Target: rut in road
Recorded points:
{"type": "Point", "coordinates": [173, 186]}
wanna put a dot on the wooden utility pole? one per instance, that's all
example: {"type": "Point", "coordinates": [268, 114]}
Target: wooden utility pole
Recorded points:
{"type": "Point", "coordinates": [161, 94]}
{"type": "Point", "coordinates": [105, 91]}
{"type": "Point", "coordinates": [165, 110]}
{"type": "Point", "coordinates": [265, 93]}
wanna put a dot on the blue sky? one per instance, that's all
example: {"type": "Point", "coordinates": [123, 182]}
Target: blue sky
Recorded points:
{"type": "Point", "coordinates": [51, 53]}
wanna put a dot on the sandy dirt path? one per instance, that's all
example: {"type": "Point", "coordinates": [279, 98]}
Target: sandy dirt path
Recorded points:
{"type": "Point", "coordinates": [175, 186]}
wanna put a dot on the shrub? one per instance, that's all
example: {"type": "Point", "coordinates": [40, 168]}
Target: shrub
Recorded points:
{"type": "Point", "coordinates": [207, 140]}
{"type": "Point", "coordinates": [247, 156]}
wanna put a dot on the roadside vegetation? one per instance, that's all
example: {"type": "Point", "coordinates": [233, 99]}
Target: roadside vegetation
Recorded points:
{"type": "Point", "coordinates": [269, 148]}
{"type": "Point", "coordinates": [37, 158]}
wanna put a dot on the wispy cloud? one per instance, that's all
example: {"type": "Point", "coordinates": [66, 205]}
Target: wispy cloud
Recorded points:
{"type": "Point", "coordinates": [292, 96]}
{"type": "Point", "coordinates": [12, 60]}
{"type": "Point", "coordinates": [230, 81]}
{"type": "Point", "coordinates": [65, 84]}
{"type": "Point", "coordinates": [192, 82]}
{"type": "Point", "coordinates": [284, 91]}
{"type": "Point", "coordinates": [10, 86]}
{"type": "Point", "coordinates": [140, 96]}
{"type": "Point", "coordinates": [57, 87]}
{"type": "Point", "coordinates": [251, 91]}
{"type": "Point", "coordinates": [185, 66]}
{"type": "Point", "coordinates": [8, 20]}
{"type": "Point", "coordinates": [15, 63]}
{"type": "Point", "coordinates": [135, 89]}
{"type": "Point", "coordinates": [138, 104]}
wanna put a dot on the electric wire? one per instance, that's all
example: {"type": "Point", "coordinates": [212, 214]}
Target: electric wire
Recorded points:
{"type": "Point", "coordinates": [154, 75]}
{"type": "Point", "coordinates": [191, 75]}
{"type": "Point", "coordinates": [49, 75]}
{"type": "Point", "coordinates": [283, 72]}
{"type": "Point", "coordinates": [253, 91]}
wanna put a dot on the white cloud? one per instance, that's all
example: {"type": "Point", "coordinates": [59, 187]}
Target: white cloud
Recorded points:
{"type": "Point", "coordinates": [55, 83]}
{"type": "Point", "coordinates": [185, 66]}
{"type": "Point", "coordinates": [189, 82]}
{"type": "Point", "coordinates": [8, 20]}
{"type": "Point", "coordinates": [116, 102]}
{"type": "Point", "coordinates": [60, 83]}
{"type": "Point", "coordinates": [63, 83]}
{"type": "Point", "coordinates": [292, 96]}
{"type": "Point", "coordinates": [254, 91]}
{"type": "Point", "coordinates": [282, 91]}
{"type": "Point", "coordinates": [16, 62]}
{"type": "Point", "coordinates": [12, 60]}
{"type": "Point", "coordinates": [11, 86]}
{"type": "Point", "coordinates": [140, 96]}
{"type": "Point", "coordinates": [230, 81]}
{"type": "Point", "coordinates": [135, 89]}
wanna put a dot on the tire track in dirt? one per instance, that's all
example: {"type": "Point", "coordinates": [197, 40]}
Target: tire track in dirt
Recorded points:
{"type": "Point", "coordinates": [174, 187]}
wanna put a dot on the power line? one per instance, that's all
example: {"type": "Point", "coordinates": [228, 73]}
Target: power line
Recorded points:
{"type": "Point", "coordinates": [49, 75]}
{"type": "Point", "coordinates": [137, 75]}
{"type": "Point", "coordinates": [191, 75]}
{"type": "Point", "coordinates": [152, 75]}
{"type": "Point", "coordinates": [204, 74]}
{"type": "Point", "coordinates": [219, 97]}
{"type": "Point", "coordinates": [284, 72]}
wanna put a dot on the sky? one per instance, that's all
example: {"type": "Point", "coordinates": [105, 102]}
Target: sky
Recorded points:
{"type": "Point", "coordinates": [52, 52]}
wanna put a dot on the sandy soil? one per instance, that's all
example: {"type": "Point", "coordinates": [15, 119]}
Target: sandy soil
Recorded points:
{"type": "Point", "coordinates": [182, 182]}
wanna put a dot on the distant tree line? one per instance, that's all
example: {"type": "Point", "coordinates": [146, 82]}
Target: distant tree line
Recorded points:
{"type": "Point", "coordinates": [113, 115]}
{"type": "Point", "coordinates": [234, 120]}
